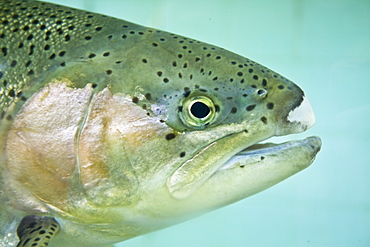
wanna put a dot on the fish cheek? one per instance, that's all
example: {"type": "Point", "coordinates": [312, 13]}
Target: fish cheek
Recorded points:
{"type": "Point", "coordinates": [119, 142]}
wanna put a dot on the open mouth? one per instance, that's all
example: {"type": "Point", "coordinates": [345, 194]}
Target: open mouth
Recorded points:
{"type": "Point", "coordinates": [298, 151]}
{"type": "Point", "coordinates": [263, 152]}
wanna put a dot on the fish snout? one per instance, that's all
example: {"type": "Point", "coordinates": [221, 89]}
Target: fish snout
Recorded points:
{"type": "Point", "coordinates": [298, 119]}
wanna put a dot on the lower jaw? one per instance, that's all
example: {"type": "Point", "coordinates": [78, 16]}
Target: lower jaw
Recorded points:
{"type": "Point", "coordinates": [258, 152]}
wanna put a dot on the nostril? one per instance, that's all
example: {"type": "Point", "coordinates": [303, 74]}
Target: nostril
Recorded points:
{"type": "Point", "coordinates": [262, 92]}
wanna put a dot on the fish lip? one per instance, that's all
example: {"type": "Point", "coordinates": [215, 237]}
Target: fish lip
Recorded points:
{"type": "Point", "coordinates": [258, 151]}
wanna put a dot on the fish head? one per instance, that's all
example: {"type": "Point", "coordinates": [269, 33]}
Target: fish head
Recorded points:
{"type": "Point", "coordinates": [199, 110]}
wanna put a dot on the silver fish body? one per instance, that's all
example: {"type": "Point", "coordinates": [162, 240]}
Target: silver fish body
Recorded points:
{"type": "Point", "coordinates": [111, 130]}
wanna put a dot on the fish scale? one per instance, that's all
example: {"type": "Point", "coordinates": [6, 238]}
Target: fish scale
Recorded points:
{"type": "Point", "coordinates": [110, 130]}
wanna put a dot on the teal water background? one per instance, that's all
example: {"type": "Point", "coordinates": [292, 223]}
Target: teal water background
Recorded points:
{"type": "Point", "coordinates": [323, 46]}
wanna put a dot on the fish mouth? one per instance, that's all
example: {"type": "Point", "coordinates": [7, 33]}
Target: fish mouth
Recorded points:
{"type": "Point", "coordinates": [262, 152]}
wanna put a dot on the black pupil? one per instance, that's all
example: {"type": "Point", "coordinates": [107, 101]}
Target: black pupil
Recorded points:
{"type": "Point", "coordinates": [199, 110]}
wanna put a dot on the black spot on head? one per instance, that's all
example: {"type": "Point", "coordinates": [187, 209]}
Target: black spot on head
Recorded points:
{"type": "Point", "coordinates": [264, 83]}
{"type": "Point", "coordinates": [264, 120]}
{"type": "Point", "coordinates": [233, 110]}
{"type": "Point", "coordinates": [270, 105]}
{"type": "Point", "coordinates": [11, 93]}
{"type": "Point", "coordinates": [32, 47]}
{"type": "Point", "coordinates": [106, 54]}
{"type": "Point", "coordinates": [4, 50]}
{"type": "Point", "coordinates": [240, 74]}
{"type": "Point", "coordinates": [144, 60]}
{"type": "Point", "coordinates": [109, 72]}
{"type": "Point", "coordinates": [182, 154]}
{"type": "Point", "coordinates": [148, 96]}
{"type": "Point", "coordinates": [91, 55]}
{"type": "Point", "coordinates": [170, 136]}
{"type": "Point", "coordinates": [186, 94]}
{"type": "Point", "coordinates": [135, 100]}
{"type": "Point", "coordinates": [255, 77]}
{"type": "Point", "coordinates": [13, 63]}
{"type": "Point", "coordinates": [217, 108]}
{"type": "Point", "coordinates": [165, 80]}
{"type": "Point", "coordinates": [281, 87]}
{"type": "Point", "coordinates": [159, 73]}
{"type": "Point", "coordinates": [250, 107]}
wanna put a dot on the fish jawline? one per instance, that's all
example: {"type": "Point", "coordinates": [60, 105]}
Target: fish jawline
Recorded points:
{"type": "Point", "coordinates": [260, 151]}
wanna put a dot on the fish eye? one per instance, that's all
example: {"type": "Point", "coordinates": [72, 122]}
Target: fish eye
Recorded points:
{"type": "Point", "coordinates": [198, 111]}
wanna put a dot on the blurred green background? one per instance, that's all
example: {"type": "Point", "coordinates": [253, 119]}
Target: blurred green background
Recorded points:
{"type": "Point", "coordinates": [323, 46]}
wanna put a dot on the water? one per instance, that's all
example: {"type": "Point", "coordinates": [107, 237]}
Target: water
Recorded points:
{"type": "Point", "coordinates": [323, 46]}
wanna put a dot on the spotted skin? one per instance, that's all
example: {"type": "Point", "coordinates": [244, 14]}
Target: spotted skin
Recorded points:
{"type": "Point", "coordinates": [36, 231]}
{"type": "Point", "coordinates": [110, 130]}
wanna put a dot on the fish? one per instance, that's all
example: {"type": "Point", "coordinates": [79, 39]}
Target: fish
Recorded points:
{"type": "Point", "coordinates": [110, 130]}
